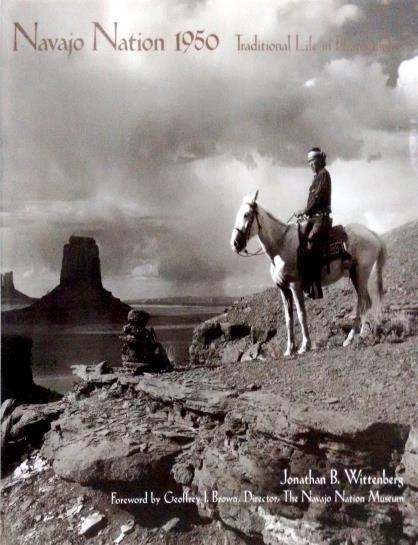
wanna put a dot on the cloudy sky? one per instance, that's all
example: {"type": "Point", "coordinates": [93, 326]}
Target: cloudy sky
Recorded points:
{"type": "Point", "coordinates": [152, 152]}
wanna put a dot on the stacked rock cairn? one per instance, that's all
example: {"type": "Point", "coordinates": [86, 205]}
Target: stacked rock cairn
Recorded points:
{"type": "Point", "coordinates": [140, 349]}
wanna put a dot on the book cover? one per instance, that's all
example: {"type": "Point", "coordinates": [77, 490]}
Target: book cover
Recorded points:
{"type": "Point", "coordinates": [189, 353]}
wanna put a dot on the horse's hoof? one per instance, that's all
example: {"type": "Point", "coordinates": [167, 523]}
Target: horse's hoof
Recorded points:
{"type": "Point", "coordinates": [304, 349]}
{"type": "Point", "coordinates": [347, 342]}
{"type": "Point", "coordinates": [288, 353]}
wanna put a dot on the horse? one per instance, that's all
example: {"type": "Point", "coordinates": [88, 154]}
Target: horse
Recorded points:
{"type": "Point", "coordinates": [280, 241]}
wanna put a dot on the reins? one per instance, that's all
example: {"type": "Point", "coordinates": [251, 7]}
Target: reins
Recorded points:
{"type": "Point", "coordinates": [248, 254]}
{"type": "Point", "coordinates": [248, 231]}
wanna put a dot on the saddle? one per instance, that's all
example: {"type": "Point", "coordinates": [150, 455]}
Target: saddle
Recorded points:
{"type": "Point", "coordinates": [333, 247]}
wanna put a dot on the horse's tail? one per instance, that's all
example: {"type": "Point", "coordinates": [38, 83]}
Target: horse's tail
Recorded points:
{"type": "Point", "coordinates": [378, 266]}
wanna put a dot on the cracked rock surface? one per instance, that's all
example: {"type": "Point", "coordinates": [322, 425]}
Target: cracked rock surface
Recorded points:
{"type": "Point", "coordinates": [221, 450]}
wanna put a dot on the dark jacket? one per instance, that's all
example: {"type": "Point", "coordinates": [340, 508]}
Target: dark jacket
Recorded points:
{"type": "Point", "coordinates": [319, 199]}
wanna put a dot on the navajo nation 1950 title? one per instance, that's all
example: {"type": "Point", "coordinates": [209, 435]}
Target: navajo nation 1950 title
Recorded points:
{"type": "Point", "coordinates": [103, 38]}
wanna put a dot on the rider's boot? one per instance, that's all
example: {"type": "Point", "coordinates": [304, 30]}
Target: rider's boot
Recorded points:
{"type": "Point", "coordinates": [316, 270]}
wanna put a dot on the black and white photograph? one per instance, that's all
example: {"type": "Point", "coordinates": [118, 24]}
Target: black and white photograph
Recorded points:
{"type": "Point", "coordinates": [209, 272]}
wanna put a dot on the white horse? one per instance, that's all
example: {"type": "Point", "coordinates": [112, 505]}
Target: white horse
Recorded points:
{"type": "Point", "coordinates": [280, 242]}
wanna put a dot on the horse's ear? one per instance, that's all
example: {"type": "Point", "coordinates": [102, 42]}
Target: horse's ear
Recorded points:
{"type": "Point", "coordinates": [255, 196]}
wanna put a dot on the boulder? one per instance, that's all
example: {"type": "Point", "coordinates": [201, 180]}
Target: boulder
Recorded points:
{"type": "Point", "coordinates": [233, 351]}
{"type": "Point", "coordinates": [208, 332]}
{"type": "Point", "coordinates": [252, 353]}
{"type": "Point", "coordinates": [31, 422]}
{"type": "Point", "coordinates": [92, 524]}
{"type": "Point", "coordinates": [197, 397]}
{"type": "Point", "coordinates": [80, 453]}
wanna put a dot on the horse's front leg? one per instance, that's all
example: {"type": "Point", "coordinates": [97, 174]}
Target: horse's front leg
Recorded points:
{"type": "Point", "coordinates": [288, 312]}
{"type": "Point", "coordinates": [300, 307]}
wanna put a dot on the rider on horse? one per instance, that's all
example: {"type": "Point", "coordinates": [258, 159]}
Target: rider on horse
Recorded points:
{"type": "Point", "coordinates": [319, 222]}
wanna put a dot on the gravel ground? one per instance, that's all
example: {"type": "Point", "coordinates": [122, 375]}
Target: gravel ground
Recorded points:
{"type": "Point", "coordinates": [380, 381]}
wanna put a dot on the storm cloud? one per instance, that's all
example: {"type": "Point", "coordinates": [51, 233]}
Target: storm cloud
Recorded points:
{"type": "Point", "coordinates": [152, 153]}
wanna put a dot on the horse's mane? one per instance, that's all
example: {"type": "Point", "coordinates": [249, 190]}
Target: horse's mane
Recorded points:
{"type": "Point", "coordinates": [271, 216]}
{"type": "Point", "coordinates": [249, 200]}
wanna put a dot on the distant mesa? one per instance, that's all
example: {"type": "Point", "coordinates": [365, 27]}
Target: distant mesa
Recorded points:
{"type": "Point", "coordinates": [10, 296]}
{"type": "Point", "coordinates": [80, 296]}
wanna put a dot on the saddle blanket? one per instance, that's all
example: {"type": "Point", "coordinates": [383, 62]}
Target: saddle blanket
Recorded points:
{"type": "Point", "coordinates": [335, 246]}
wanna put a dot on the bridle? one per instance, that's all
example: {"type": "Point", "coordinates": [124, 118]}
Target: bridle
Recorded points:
{"type": "Point", "coordinates": [246, 233]}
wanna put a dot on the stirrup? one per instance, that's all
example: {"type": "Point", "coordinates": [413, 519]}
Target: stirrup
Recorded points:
{"type": "Point", "coordinates": [306, 286]}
